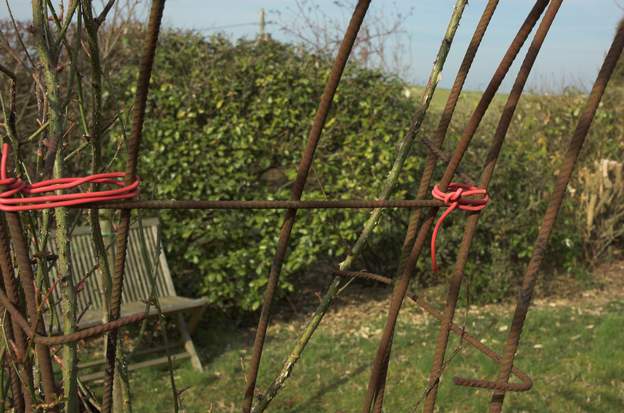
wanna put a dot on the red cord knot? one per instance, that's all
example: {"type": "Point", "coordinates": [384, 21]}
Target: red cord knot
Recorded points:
{"type": "Point", "coordinates": [460, 196]}
{"type": "Point", "coordinates": [10, 201]}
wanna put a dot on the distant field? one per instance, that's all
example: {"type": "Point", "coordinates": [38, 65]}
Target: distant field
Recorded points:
{"type": "Point", "coordinates": [468, 98]}
{"type": "Point", "coordinates": [572, 350]}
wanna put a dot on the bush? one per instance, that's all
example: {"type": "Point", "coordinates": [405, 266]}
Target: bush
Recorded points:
{"type": "Point", "coordinates": [229, 121]}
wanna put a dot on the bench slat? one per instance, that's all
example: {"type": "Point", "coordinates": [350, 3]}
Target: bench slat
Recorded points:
{"type": "Point", "coordinates": [168, 305]}
{"type": "Point", "coordinates": [137, 278]}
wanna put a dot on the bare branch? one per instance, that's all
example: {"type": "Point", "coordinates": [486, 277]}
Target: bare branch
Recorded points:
{"type": "Point", "coordinates": [17, 33]}
{"type": "Point", "coordinates": [102, 16]}
{"type": "Point", "coordinates": [7, 72]}
{"type": "Point", "coordinates": [381, 42]}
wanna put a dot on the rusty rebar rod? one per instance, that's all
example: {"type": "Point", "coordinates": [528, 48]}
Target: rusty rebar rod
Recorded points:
{"type": "Point", "coordinates": [17, 395]}
{"type": "Point", "coordinates": [402, 153]}
{"type": "Point", "coordinates": [9, 363]}
{"type": "Point", "coordinates": [27, 281]}
{"type": "Point", "coordinates": [84, 334]}
{"type": "Point", "coordinates": [407, 267]}
{"type": "Point", "coordinates": [443, 156]}
{"type": "Point", "coordinates": [473, 218]}
{"type": "Point", "coordinates": [435, 153]}
{"type": "Point", "coordinates": [269, 204]}
{"type": "Point", "coordinates": [526, 382]}
{"type": "Point", "coordinates": [550, 216]}
{"type": "Point", "coordinates": [32, 327]}
{"type": "Point", "coordinates": [134, 142]}
{"type": "Point", "coordinates": [20, 387]}
{"type": "Point", "coordinates": [21, 398]}
{"type": "Point", "coordinates": [297, 189]}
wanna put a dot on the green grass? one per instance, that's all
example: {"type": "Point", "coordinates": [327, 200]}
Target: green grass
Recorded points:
{"type": "Point", "coordinates": [467, 100]}
{"type": "Point", "coordinates": [575, 356]}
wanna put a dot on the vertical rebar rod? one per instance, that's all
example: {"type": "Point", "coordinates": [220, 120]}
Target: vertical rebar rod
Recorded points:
{"type": "Point", "coordinates": [16, 400]}
{"type": "Point", "coordinates": [138, 116]}
{"type": "Point", "coordinates": [401, 155]}
{"type": "Point", "coordinates": [21, 392]}
{"type": "Point", "coordinates": [550, 216]}
{"type": "Point", "coordinates": [473, 218]}
{"type": "Point", "coordinates": [27, 281]}
{"type": "Point", "coordinates": [297, 189]}
{"type": "Point", "coordinates": [21, 395]}
{"type": "Point", "coordinates": [438, 140]}
{"type": "Point", "coordinates": [402, 283]}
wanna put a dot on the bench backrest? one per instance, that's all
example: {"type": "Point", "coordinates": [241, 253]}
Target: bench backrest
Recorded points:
{"type": "Point", "coordinates": [139, 266]}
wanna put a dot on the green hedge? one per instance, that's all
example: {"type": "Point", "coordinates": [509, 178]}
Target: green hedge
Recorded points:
{"type": "Point", "coordinates": [229, 121]}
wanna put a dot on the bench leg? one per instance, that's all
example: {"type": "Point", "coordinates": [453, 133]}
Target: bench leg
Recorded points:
{"type": "Point", "coordinates": [188, 342]}
{"type": "Point", "coordinates": [195, 318]}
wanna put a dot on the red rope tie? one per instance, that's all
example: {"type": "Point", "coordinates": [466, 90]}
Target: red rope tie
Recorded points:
{"type": "Point", "coordinates": [460, 196]}
{"type": "Point", "coordinates": [10, 202]}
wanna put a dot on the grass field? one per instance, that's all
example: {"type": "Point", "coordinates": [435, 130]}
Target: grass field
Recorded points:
{"type": "Point", "coordinates": [467, 100]}
{"type": "Point", "coordinates": [573, 350]}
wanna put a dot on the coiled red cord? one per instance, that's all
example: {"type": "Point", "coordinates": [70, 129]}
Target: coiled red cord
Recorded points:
{"type": "Point", "coordinates": [10, 202]}
{"type": "Point", "coordinates": [459, 196]}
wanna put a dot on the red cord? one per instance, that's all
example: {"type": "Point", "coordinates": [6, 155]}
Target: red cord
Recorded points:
{"type": "Point", "coordinates": [458, 197]}
{"type": "Point", "coordinates": [9, 202]}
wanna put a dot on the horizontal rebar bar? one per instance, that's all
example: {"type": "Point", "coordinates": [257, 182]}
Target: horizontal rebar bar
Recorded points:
{"type": "Point", "coordinates": [269, 204]}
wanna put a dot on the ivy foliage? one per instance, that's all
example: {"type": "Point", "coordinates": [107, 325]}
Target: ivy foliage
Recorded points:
{"type": "Point", "coordinates": [229, 120]}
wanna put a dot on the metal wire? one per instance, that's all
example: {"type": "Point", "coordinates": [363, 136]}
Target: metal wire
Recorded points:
{"type": "Point", "coordinates": [526, 384]}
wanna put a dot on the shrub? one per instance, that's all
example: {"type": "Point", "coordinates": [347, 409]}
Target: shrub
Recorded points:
{"type": "Point", "coordinates": [228, 120]}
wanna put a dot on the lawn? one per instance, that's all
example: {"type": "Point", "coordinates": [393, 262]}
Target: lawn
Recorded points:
{"type": "Point", "coordinates": [467, 100]}
{"type": "Point", "coordinates": [573, 350]}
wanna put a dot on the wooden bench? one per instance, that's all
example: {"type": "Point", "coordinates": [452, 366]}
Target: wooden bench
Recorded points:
{"type": "Point", "coordinates": [138, 284]}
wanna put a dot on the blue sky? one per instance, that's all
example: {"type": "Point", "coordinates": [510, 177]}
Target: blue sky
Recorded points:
{"type": "Point", "coordinates": [571, 54]}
